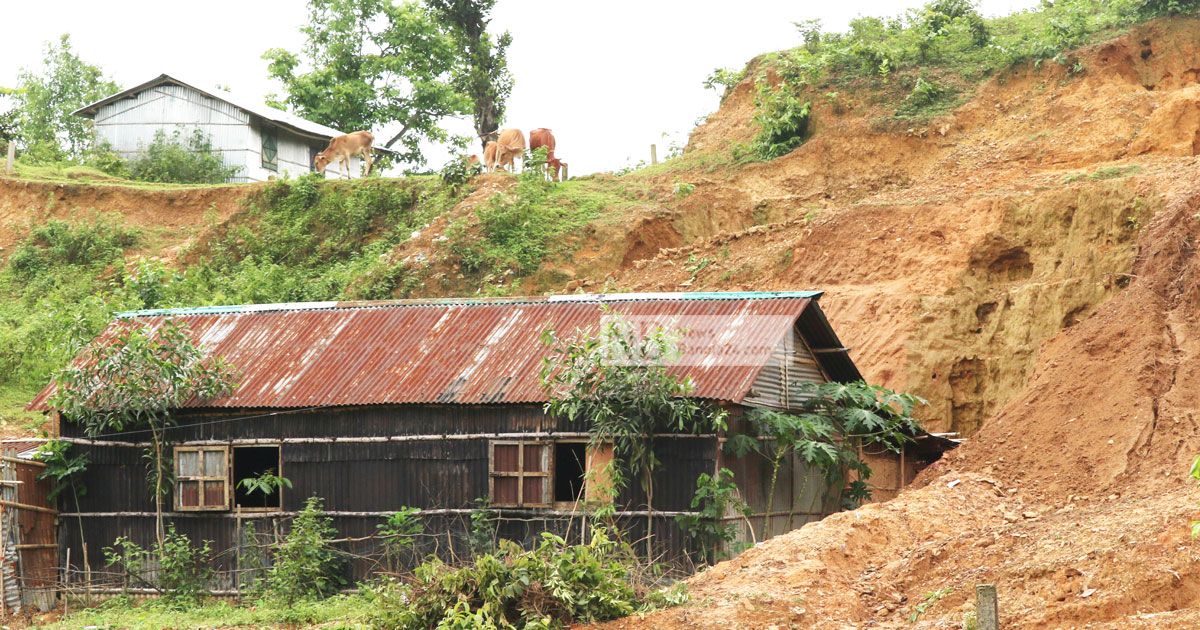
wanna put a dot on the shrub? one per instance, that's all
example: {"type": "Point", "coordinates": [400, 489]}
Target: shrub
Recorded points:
{"type": "Point", "coordinates": [306, 565]}
{"type": "Point", "coordinates": [723, 80]}
{"type": "Point", "coordinates": [550, 586]}
{"type": "Point", "coordinates": [177, 567]}
{"type": "Point", "coordinates": [714, 497]}
{"type": "Point", "coordinates": [1153, 8]}
{"type": "Point", "coordinates": [176, 160]}
{"type": "Point", "coordinates": [782, 120]}
{"type": "Point", "coordinates": [928, 97]}
{"type": "Point", "coordinates": [399, 532]}
{"type": "Point", "coordinates": [59, 243]}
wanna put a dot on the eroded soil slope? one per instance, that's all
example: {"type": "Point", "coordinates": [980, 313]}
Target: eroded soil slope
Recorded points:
{"type": "Point", "coordinates": [1029, 263]}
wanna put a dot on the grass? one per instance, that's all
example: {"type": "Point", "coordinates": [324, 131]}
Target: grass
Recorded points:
{"type": "Point", "coordinates": [1104, 173]}
{"type": "Point", "coordinates": [76, 174]}
{"type": "Point", "coordinates": [342, 611]}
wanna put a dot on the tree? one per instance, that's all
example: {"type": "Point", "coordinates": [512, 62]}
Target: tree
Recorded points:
{"type": "Point", "coordinates": [485, 77]}
{"type": "Point", "coordinates": [46, 102]}
{"type": "Point", "coordinates": [372, 63]}
{"type": "Point", "coordinates": [8, 116]}
{"type": "Point", "coordinates": [618, 382]}
{"type": "Point", "coordinates": [133, 379]}
{"type": "Point", "coordinates": [833, 421]}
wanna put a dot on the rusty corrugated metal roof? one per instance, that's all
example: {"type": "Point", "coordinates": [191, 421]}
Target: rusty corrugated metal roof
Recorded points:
{"type": "Point", "coordinates": [465, 351]}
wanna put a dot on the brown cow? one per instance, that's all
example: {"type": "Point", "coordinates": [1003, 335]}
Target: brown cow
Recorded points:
{"type": "Point", "coordinates": [542, 137]}
{"type": "Point", "coordinates": [510, 145]}
{"type": "Point", "coordinates": [489, 157]}
{"type": "Point", "coordinates": [342, 148]}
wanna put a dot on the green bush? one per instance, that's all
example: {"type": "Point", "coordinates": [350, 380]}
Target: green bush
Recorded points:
{"type": "Point", "coordinates": [1154, 8]}
{"type": "Point", "coordinates": [173, 159]}
{"type": "Point", "coordinates": [59, 243]}
{"type": "Point", "coordinates": [551, 586]}
{"type": "Point", "coordinates": [782, 120]}
{"type": "Point", "coordinates": [181, 570]}
{"type": "Point", "coordinates": [928, 97]}
{"type": "Point", "coordinates": [306, 566]}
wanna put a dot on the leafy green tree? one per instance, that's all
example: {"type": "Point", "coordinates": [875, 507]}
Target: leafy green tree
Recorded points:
{"type": "Point", "coordinates": [132, 380]}
{"type": "Point", "coordinates": [46, 100]}
{"type": "Point", "coordinates": [372, 63]}
{"type": "Point", "coordinates": [306, 565]}
{"type": "Point", "coordinates": [485, 77]}
{"type": "Point", "coordinates": [8, 116]}
{"type": "Point", "coordinates": [618, 382]}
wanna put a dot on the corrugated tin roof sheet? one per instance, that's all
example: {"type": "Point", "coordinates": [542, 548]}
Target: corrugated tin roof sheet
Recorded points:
{"type": "Point", "coordinates": [465, 351]}
{"type": "Point", "coordinates": [262, 110]}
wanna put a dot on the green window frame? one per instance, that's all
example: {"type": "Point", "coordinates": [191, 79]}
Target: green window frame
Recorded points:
{"type": "Point", "coordinates": [270, 149]}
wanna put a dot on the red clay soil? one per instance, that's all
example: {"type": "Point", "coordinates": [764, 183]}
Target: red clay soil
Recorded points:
{"type": "Point", "coordinates": [1072, 495]}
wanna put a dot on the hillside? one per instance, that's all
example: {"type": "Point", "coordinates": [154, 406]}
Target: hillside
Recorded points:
{"type": "Point", "coordinates": [1024, 261]}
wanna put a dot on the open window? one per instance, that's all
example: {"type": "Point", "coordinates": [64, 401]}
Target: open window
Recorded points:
{"type": "Point", "coordinates": [570, 468]}
{"type": "Point", "coordinates": [201, 478]}
{"type": "Point", "coordinates": [519, 473]}
{"type": "Point", "coordinates": [252, 462]}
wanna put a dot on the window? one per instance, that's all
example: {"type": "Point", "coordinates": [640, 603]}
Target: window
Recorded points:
{"type": "Point", "coordinates": [520, 474]}
{"type": "Point", "coordinates": [570, 463]}
{"type": "Point", "coordinates": [545, 474]}
{"type": "Point", "coordinates": [201, 478]}
{"type": "Point", "coordinates": [252, 462]}
{"type": "Point", "coordinates": [270, 149]}
{"type": "Point", "coordinates": [312, 158]}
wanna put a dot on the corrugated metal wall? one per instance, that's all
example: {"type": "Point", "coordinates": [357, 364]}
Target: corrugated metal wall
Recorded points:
{"type": "Point", "coordinates": [373, 477]}
{"type": "Point", "coordinates": [779, 383]}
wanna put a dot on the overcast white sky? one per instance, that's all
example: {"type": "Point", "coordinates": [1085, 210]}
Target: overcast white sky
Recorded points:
{"type": "Point", "coordinates": [609, 76]}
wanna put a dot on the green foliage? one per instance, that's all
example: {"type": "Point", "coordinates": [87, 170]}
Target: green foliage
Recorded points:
{"type": "Point", "coordinates": [1155, 8]}
{"type": "Point", "coordinates": [177, 568]}
{"type": "Point", "coordinates": [519, 230]}
{"type": "Point", "coordinates": [399, 533]}
{"type": "Point", "coordinates": [715, 497]}
{"type": "Point", "coordinates": [723, 80]}
{"type": "Point", "coordinates": [346, 611]}
{"type": "Point", "coordinates": [47, 99]}
{"type": "Point", "coordinates": [782, 120]}
{"type": "Point", "coordinates": [928, 97]}
{"type": "Point", "coordinates": [1195, 474]}
{"type": "Point", "coordinates": [172, 159]}
{"type": "Point", "coordinates": [925, 604]}
{"type": "Point", "coordinates": [306, 566]}
{"type": "Point", "coordinates": [683, 189]}
{"type": "Point", "coordinates": [948, 42]}
{"type": "Point", "coordinates": [62, 469]}
{"type": "Point", "coordinates": [370, 63]}
{"type": "Point", "coordinates": [459, 171]}
{"type": "Point", "coordinates": [483, 74]}
{"type": "Point", "coordinates": [482, 537]}
{"type": "Point", "coordinates": [134, 378]}
{"type": "Point", "coordinates": [616, 380]}
{"type": "Point", "coordinates": [267, 483]}
{"type": "Point", "coordinates": [60, 243]}
{"type": "Point", "coordinates": [833, 421]}
{"type": "Point", "coordinates": [551, 586]}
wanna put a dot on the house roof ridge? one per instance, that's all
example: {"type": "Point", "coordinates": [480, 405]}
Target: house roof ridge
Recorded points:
{"type": "Point", "coordinates": [585, 298]}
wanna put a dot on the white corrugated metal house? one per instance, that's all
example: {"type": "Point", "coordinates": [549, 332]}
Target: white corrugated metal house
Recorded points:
{"type": "Point", "coordinates": [263, 142]}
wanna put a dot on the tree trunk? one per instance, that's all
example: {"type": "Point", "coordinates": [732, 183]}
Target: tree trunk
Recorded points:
{"type": "Point", "coordinates": [159, 530]}
{"type": "Point", "coordinates": [776, 462]}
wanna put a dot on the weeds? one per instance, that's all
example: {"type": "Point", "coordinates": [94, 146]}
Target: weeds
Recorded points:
{"type": "Point", "coordinates": [928, 602]}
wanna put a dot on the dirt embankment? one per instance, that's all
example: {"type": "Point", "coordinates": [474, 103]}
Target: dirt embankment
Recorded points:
{"type": "Point", "coordinates": [169, 216]}
{"type": "Point", "coordinates": [1035, 275]}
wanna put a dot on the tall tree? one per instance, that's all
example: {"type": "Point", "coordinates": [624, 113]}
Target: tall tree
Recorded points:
{"type": "Point", "coordinates": [371, 63]}
{"type": "Point", "coordinates": [8, 115]}
{"type": "Point", "coordinates": [485, 77]}
{"type": "Point", "coordinates": [46, 100]}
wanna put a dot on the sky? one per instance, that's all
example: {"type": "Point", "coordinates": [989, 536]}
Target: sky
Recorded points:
{"type": "Point", "coordinates": [609, 77]}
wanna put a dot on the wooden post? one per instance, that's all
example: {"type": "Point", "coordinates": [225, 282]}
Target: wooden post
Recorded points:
{"type": "Point", "coordinates": [987, 609]}
{"type": "Point", "coordinates": [12, 156]}
{"type": "Point", "coordinates": [654, 154]}
{"type": "Point", "coordinates": [564, 177]}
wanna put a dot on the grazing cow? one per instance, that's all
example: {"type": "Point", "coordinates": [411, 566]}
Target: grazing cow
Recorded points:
{"type": "Point", "coordinates": [342, 148]}
{"type": "Point", "coordinates": [489, 157]}
{"type": "Point", "coordinates": [539, 138]}
{"type": "Point", "coordinates": [510, 145]}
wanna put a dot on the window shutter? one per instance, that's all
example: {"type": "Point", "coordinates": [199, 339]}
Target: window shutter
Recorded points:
{"type": "Point", "coordinates": [201, 478]}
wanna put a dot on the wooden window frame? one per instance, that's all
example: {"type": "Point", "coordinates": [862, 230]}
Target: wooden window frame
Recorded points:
{"type": "Point", "coordinates": [202, 478]}
{"type": "Point", "coordinates": [547, 499]}
{"type": "Point", "coordinates": [232, 488]}
{"type": "Point", "coordinates": [265, 132]}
